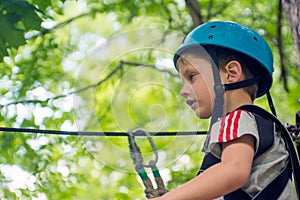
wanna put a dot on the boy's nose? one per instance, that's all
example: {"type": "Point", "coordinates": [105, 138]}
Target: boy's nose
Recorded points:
{"type": "Point", "coordinates": [184, 91]}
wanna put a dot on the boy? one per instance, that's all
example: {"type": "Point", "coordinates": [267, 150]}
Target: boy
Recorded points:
{"type": "Point", "coordinates": [225, 65]}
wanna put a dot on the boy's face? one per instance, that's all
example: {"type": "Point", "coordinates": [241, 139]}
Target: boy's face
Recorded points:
{"type": "Point", "coordinates": [198, 83]}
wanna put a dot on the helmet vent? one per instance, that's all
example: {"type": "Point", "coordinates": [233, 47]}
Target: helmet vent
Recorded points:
{"type": "Point", "coordinates": [213, 26]}
{"type": "Point", "coordinates": [255, 38]}
{"type": "Point", "coordinates": [210, 37]}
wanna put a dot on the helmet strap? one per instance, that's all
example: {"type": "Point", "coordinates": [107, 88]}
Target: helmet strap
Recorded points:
{"type": "Point", "coordinates": [247, 83]}
{"type": "Point", "coordinates": [241, 84]}
{"type": "Point", "coordinates": [270, 101]}
{"type": "Point", "coordinates": [218, 109]}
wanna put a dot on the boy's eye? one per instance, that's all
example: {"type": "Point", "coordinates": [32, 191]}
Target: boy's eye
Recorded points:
{"type": "Point", "coordinates": [192, 76]}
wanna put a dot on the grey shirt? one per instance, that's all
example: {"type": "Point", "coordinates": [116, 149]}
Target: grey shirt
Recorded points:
{"type": "Point", "coordinates": [266, 166]}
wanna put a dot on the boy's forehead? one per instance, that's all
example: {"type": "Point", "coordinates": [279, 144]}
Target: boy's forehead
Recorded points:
{"type": "Point", "coordinates": [189, 61]}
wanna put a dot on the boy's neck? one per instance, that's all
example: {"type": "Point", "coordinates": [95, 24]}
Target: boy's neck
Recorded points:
{"type": "Point", "coordinates": [235, 99]}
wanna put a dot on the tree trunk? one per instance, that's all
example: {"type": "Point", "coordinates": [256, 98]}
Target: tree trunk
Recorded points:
{"type": "Point", "coordinates": [195, 12]}
{"type": "Point", "coordinates": [292, 10]}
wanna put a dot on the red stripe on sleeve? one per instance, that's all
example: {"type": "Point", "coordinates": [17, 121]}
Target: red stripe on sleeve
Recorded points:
{"type": "Point", "coordinates": [236, 124]}
{"type": "Point", "coordinates": [228, 128]}
{"type": "Point", "coordinates": [222, 129]}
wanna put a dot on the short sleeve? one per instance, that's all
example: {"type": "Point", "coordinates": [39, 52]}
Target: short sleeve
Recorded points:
{"type": "Point", "coordinates": [230, 127]}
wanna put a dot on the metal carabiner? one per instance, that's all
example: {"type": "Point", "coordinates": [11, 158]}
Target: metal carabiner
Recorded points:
{"type": "Point", "coordinates": [141, 131]}
{"type": "Point", "coordinates": [137, 158]}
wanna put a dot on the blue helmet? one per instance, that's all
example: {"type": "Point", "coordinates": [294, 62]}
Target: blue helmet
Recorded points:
{"type": "Point", "coordinates": [238, 38]}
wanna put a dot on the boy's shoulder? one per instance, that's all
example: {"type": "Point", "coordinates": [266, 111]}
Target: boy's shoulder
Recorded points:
{"type": "Point", "coordinates": [237, 115]}
{"type": "Point", "coordinates": [234, 125]}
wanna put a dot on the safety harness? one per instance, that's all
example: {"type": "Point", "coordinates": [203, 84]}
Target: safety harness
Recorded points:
{"type": "Point", "coordinates": [273, 190]}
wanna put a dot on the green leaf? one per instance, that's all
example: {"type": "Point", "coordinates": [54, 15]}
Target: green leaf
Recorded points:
{"type": "Point", "coordinates": [41, 4]}
{"type": "Point", "coordinates": [12, 36]}
{"type": "Point", "coordinates": [31, 20]}
{"type": "Point", "coordinates": [3, 51]}
{"type": "Point", "coordinates": [29, 17]}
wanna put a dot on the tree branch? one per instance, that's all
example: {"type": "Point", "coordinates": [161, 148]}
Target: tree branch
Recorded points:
{"type": "Point", "coordinates": [62, 24]}
{"type": "Point", "coordinates": [220, 9]}
{"type": "Point", "coordinates": [92, 86]}
{"type": "Point", "coordinates": [210, 5]}
{"type": "Point", "coordinates": [165, 7]}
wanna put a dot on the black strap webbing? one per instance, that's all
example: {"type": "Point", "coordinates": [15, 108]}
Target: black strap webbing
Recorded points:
{"type": "Point", "coordinates": [242, 84]}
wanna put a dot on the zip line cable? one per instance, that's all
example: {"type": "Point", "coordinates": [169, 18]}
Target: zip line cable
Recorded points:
{"type": "Point", "coordinates": [91, 133]}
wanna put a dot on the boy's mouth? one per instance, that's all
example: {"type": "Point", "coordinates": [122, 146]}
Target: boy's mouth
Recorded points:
{"type": "Point", "coordinates": [190, 102]}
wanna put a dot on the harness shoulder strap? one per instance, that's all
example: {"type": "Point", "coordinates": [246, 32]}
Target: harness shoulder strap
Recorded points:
{"type": "Point", "coordinates": [208, 160]}
{"type": "Point", "coordinates": [266, 134]}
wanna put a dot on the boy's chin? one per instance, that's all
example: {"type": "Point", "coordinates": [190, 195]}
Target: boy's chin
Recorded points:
{"type": "Point", "coordinates": [202, 115]}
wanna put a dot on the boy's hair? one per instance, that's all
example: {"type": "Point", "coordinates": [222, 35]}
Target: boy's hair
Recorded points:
{"type": "Point", "coordinates": [249, 66]}
{"type": "Point", "coordinates": [221, 56]}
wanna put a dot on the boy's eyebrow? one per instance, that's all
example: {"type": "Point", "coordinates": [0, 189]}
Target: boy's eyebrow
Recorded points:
{"type": "Point", "coordinates": [182, 62]}
{"type": "Point", "coordinates": [181, 66]}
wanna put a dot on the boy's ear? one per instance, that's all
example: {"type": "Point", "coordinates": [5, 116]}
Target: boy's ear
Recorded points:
{"type": "Point", "coordinates": [234, 72]}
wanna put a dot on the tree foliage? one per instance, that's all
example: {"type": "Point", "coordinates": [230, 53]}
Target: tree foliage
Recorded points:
{"type": "Point", "coordinates": [106, 66]}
